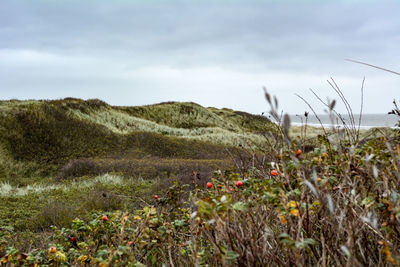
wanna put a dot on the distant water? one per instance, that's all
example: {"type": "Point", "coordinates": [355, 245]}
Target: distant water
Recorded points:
{"type": "Point", "coordinates": [367, 120]}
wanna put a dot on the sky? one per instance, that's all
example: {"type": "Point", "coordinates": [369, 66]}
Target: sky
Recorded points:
{"type": "Point", "coordinates": [214, 53]}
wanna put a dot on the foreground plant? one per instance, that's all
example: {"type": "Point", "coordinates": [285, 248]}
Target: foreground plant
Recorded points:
{"type": "Point", "coordinates": [334, 206]}
{"type": "Point", "coordinates": [338, 204]}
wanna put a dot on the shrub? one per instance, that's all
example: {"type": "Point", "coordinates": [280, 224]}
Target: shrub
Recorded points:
{"type": "Point", "coordinates": [79, 168]}
{"type": "Point", "coordinates": [102, 200]}
{"type": "Point", "coordinates": [148, 168]}
{"type": "Point", "coordinates": [55, 212]}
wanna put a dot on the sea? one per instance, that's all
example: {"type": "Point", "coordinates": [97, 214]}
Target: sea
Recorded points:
{"type": "Point", "coordinates": [367, 120]}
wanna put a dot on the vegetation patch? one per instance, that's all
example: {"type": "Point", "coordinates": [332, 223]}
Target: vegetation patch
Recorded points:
{"type": "Point", "coordinates": [331, 198]}
{"type": "Point", "coordinates": [38, 138]}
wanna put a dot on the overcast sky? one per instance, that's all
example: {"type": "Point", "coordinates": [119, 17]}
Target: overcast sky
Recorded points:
{"type": "Point", "coordinates": [215, 53]}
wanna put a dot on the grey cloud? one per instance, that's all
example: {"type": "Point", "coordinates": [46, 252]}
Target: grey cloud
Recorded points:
{"type": "Point", "coordinates": [88, 48]}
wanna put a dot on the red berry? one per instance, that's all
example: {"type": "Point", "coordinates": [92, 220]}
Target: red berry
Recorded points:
{"type": "Point", "coordinates": [274, 173]}
{"type": "Point", "coordinates": [298, 153]}
{"type": "Point", "coordinates": [183, 244]}
{"type": "Point", "coordinates": [238, 183]}
{"type": "Point", "coordinates": [130, 243]}
{"type": "Point", "coordinates": [209, 185]}
{"type": "Point", "coordinates": [73, 239]}
{"type": "Point", "coordinates": [104, 218]}
{"type": "Point", "coordinates": [155, 197]}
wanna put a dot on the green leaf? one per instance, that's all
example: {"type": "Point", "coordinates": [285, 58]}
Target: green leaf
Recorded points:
{"type": "Point", "coordinates": [286, 239]}
{"type": "Point", "coordinates": [162, 229]}
{"type": "Point", "coordinates": [367, 201]}
{"type": "Point", "coordinates": [179, 223]}
{"type": "Point", "coordinates": [102, 253]}
{"type": "Point", "coordinates": [284, 235]}
{"type": "Point", "coordinates": [149, 210]}
{"type": "Point", "coordinates": [231, 255]}
{"type": "Point", "coordinates": [240, 206]}
{"type": "Point", "coordinates": [305, 243]}
{"type": "Point", "coordinates": [205, 209]}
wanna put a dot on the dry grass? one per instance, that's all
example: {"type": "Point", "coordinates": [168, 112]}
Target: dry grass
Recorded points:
{"type": "Point", "coordinates": [123, 123]}
{"type": "Point", "coordinates": [7, 190]}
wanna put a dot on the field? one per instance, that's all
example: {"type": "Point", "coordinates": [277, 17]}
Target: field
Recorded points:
{"type": "Point", "coordinates": [178, 184]}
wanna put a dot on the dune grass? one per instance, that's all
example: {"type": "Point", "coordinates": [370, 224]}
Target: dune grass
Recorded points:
{"type": "Point", "coordinates": [35, 207]}
{"type": "Point", "coordinates": [37, 138]}
{"type": "Point", "coordinates": [180, 115]}
{"type": "Point", "coordinates": [7, 190]}
{"type": "Point", "coordinates": [206, 126]}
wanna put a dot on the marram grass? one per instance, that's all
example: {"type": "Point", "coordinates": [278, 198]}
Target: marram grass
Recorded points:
{"type": "Point", "coordinates": [7, 190]}
{"type": "Point", "coordinates": [218, 132]}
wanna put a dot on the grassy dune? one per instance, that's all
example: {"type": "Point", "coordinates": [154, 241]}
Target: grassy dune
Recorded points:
{"type": "Point", "coordinates": [121, 122]}
{"type": "Point", "coordinates": [38, 137]}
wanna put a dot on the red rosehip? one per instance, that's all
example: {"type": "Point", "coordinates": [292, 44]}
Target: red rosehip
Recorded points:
{"type": "Point", "coordinates": [209, 185]}
{"type": "Point", "coordinates": [155, 197]}
{"type": "Point", "coordinates": [238, 183]}
{"type": "Point", "coordinates": [104, 218]}
{"type": "Point", "coordinates": [274, 173]}
{"type": "Point", "coordinates": [299, 152]}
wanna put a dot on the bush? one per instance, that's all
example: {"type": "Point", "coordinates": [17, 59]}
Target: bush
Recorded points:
{"type": "Point", "coordinates": [102, 200]}
{"type": "Point", "coordinates": [149, 168]}
{"type": "Point", "coordinates": [55, 213]}
{"type": "Point", "coordinates": [79, 168]}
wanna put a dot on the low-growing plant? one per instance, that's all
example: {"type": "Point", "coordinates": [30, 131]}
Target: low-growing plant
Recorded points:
{"type": "Point", "coordinates": [336, 203]}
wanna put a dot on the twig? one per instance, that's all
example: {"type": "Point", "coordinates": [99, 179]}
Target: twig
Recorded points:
{"type": "Point", "coordinates": [308, 104]}
{"type": "Point", "coordinates": [361, 109]}
{"type": "Point", "coordinates": [344, 100]}
{"type": "Point", "coordinates": [366, 64]}
{"type": "Point", "coordinates": [170, 257]}
{"type": "Point", "coordinates": [334, 111]}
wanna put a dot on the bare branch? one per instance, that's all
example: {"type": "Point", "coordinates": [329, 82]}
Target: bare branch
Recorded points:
{"type": "Point", "coordinates": [359, 62]}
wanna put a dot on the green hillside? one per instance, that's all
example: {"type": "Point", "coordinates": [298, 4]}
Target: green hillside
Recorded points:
{"type": "Point", "coordinates": [60, 158]}
{"type": "Point", "coordinates": [43, 138]}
